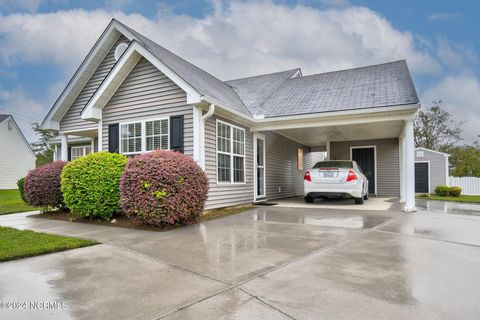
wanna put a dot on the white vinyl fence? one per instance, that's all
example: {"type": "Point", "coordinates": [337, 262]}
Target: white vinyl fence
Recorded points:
{"type": "Point", "coordinates": [469, 185]}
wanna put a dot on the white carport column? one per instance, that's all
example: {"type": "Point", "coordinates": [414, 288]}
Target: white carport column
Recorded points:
{"type": "Point", "coordinates": [409, 152]}
{"type": "Point", "coordinates": [401, 147]}
{"type": "Point", "coordinates": [64, 139]}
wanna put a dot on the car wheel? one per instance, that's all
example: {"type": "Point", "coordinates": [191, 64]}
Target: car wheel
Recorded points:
{"type": "Point", "coordinates": [358, 200]}
{"type": "Point", "coordinates": [308, 199]}
{"type": "Point", "coordinates": [365, 197]}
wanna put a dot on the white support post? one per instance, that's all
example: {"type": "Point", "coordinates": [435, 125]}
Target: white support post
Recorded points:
{"type": "Point", "coordinates": [328, 151]}
{"type": "Point", "coordinates": [100, 136]}
{"type": "Point", "coordinates": [64, 139]}
{"type": "Point", "coordinates": [409, 167]}
{"type": "Point", "coordinates": [55, 154]}
{"type": "Point", "coordinates": [92, 144]}
{"type": "Point", "coordinates": [401, 147]}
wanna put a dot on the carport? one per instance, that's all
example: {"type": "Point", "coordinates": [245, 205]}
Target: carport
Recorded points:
{"type": "Point", "coordinates": [379, 139]}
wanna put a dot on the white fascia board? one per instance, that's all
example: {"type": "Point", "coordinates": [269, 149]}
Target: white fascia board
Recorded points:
{"type": "Point", "coordinates": [135, 51]}
{"type": "Point", "coordinates": [240, 117]}
{"type": "Point", "coordinates": [334, 119]}
{"type": "Point", "coordinates": [83, 73]}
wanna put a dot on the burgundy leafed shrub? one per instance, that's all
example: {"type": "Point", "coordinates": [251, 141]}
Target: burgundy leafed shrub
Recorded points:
{"type": "Point", "coordinates": [163, 188]}
{"type": "Point", "coordinates": [42, 185]}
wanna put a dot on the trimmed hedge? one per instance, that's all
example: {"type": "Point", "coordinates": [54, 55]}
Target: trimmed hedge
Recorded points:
{"type": "Point", "coordinates": [90, 184]}
{"type": "Point", "coordinates": [442, 190]}
{"type": "Point", "coordinates": [42, 186]}
{"type": "Point", "coordinates": [20, 184]}
{"type": "Point", "coordinates": [455, 191]}
{"type": "Point", "coordinates": [163, 188]}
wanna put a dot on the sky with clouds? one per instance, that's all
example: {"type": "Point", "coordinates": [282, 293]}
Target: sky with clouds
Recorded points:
{"type": "Point", "coordinates": [42, 43]}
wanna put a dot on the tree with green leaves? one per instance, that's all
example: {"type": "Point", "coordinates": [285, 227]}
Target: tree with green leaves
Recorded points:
{"type": "Point", "coordinates": [41, 147]}
{"type": "Point", "coordinates": [465, 160]}
{"type": "Point", "coordinates": [435, 129]}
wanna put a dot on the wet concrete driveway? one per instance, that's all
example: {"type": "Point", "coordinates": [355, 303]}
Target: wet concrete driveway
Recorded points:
{"type": "Point", "coordinates": [268, 263]}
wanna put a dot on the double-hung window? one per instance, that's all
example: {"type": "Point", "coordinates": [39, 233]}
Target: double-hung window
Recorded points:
{"type": "Point", "coordinates": [144, 136]}
{"type": "Point", "coordinates": [230, 153]}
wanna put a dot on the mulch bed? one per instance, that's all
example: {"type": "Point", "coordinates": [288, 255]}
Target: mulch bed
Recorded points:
{"type": "Point", "coordinates": [125, 222]}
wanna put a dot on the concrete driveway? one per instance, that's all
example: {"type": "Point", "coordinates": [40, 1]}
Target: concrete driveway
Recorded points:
{"type": "Point", "coordinates": [267, 263]}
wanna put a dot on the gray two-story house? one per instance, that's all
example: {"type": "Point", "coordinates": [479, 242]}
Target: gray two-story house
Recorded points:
{"type": "Point", "coordinates": [252, 136]}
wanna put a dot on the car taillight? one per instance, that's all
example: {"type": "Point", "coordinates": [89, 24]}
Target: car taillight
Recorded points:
{"type": "Point", "coordinates": [307, 176]}
{"type": "Point", "coordinates": [351, 176]}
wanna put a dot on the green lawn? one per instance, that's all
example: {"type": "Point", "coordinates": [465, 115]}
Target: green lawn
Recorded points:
{"type": "Point", "coordinates": [462, 198]}
{"type": "Point", "coordinates": [15, 244]}
{"type": "Point", "coordinates": [10, 202]}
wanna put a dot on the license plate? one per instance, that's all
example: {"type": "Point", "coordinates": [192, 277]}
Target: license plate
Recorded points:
{"type": "Point", "coordinates": [328, 174]}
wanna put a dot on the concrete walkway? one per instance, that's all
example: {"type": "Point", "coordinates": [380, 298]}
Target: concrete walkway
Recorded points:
{"type": "Point", "coordinates": [267, 263]}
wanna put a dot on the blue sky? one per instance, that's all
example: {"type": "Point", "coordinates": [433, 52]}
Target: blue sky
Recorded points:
{"type": "Point", "coordinates": [43, 42]}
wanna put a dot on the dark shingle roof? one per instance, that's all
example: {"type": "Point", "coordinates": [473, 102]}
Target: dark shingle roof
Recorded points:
{"type": "Point", "coordinates": [254, 91]}
{"type": "Point", "coordinates": [200, 80]}
{"type": "Point", "coordinates": [3, 117]}
{"type": "Point", "coordinates": [387, 84]}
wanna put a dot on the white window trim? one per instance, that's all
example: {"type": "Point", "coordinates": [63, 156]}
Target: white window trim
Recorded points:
{"type": "Point", "coordinates": [143, 135]}
{"type": "Point", "coordinates": [231, 154]}
{"type": "Point", "coordinates": [83, 149]}
{"type": "Point", "coordinates": [429, 176]}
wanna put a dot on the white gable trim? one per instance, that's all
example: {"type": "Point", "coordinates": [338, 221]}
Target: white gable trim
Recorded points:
{"type": "Point", "coordinates": [96, 55]}
{"type": "Point", "coordinates": [134, 52]}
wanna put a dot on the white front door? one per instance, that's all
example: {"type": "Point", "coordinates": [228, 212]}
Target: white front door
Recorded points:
{"type": "Point", "coordinates": [259, 166]}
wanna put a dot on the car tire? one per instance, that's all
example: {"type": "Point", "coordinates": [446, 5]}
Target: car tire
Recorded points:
{"type": "Point", "coordinates": [365, 197]}
{"type": "Point", "coordinates": [358, 200]}
{"type": "Point", "coordinates": [308, 199]}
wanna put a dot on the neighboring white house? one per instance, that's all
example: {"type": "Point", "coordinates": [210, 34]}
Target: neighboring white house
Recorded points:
{"type": "Point", "coordinates": [16, 158]}
{"type": "Point", "coordinates": [431, 170]}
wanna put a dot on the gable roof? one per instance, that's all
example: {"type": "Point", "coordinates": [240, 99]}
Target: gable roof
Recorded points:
{"type": "Point", "coordinates": [381, 85]}
{"type": "Point", "coordinates": [286, 93]}
{"type": "Point", "coordinates": [200, 80]}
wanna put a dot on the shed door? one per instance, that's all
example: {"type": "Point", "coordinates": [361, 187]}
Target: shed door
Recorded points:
{"type": "Point", "coordinates": [421, 177]}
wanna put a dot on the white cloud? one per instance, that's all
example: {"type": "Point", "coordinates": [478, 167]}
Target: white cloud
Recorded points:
{"type": "Point", "coordinates": [24, 109]}
{"type": "Point", "coordinates": [442, 16]}
{"type": "Point", "coordinates": [461, 97]}
{"type": "Point", "coordinates": [241, 39]}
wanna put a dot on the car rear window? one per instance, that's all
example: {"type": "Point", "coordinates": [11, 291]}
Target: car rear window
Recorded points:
{"type": "Point", "coordinates": [333, 164]}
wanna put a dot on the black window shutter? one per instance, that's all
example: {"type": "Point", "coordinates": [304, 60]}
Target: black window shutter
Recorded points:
{"type": "Point", "coordinates": [69, 154]}
{"type": "Point", "coordinates": [113, 138]}
{"type": "Point", "coordinates": [176, 133]}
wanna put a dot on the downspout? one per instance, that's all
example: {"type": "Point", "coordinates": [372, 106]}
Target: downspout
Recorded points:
{"type": "Point", "coordinates": [205, 117]}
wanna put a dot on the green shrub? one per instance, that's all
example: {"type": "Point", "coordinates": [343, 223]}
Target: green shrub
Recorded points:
{"type": "Point", "coordinates": [20, 184]}
{"type": "Point", "coordinates": [442, 190]}
{"type": "Point", "coordinates": [455, 191]}
{"type": "Point", "coordinates": [90, 184]}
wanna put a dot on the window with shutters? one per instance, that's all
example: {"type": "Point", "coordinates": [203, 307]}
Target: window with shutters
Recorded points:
{"type": "Point", "coordinates": [230, 153]}
{"type": "Point", "coordinates": [143, 136]}
{"type": "Point", "coordinates": [156, 135]}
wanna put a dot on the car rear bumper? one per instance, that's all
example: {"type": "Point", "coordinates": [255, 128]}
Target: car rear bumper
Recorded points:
{"type": "Point", "coordinates": [314, 191]}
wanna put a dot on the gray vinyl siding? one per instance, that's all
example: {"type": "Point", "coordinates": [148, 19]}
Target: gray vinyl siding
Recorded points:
{"type": "Point", "coordinates": [225, 194]}
{"type": "Point", "coordinates": [282, 174]}
{"type": "Point", "coordinates": [438, 170]}
{"type": "Point", "coordinates": [148, 93]}
{"type": "Point", "coordinates": [388, 162]}
{"type": "Point", "coordinates": [72, 119]}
